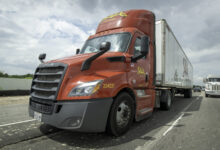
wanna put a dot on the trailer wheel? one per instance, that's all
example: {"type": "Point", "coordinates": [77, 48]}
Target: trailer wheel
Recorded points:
{"type": "Point", "coordinates": [165, 100]}
{"type": "Point", "coordinates": [188, 93]}
{"type": "Point", "coordinates": [121, 115]}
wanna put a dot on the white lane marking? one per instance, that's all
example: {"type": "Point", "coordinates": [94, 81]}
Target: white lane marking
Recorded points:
{"type": "Point", "coordinates": [180, 117]}
{"type": "Point", "coordinates": [173, 124]}
{"type": "Point", "coordinates": [159, 135]}
{"type": "Point", "coordinates": [3, 125]}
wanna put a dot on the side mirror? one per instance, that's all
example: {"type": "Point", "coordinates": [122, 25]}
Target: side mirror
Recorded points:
{"type": "Point", "coordinates": [42, 57]}
{"type": "Point", "coordinates": [77, 51]}
{"type": "Point", "coordinates": [204, 80]}
{"type": "Point", "coordinates": [105, 46]}
{"type": "Point", "coordinates": [144, 45]}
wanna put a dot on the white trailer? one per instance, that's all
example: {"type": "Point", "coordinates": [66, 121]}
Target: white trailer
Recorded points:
{"type": "Point", "coordinates": [173, 68]}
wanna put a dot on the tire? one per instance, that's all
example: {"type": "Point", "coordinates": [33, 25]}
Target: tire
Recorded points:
{"type": "Point", "coordinates": [165, 100]}
{"type": "Point", "coordinates": [121, 115]}
{"type": "Point", "coordinates": [188, 93]}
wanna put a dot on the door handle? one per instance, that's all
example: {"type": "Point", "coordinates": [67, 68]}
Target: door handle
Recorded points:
{"type": "Point", "coordinates": [146, 77]}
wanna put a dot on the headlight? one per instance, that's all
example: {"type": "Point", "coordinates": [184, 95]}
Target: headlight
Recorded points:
{"type": "Point", "coordinates": [86, 89]}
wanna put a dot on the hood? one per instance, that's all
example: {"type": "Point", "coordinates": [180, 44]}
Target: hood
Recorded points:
{"type": "Point", "coordinates": [101, 69]}
{"type": "Point", "coordinates": [72, 59]}
{"type": "Point", "coordinates": [80, 58]}
{"type": "Point", "coordinates": [102, 63]}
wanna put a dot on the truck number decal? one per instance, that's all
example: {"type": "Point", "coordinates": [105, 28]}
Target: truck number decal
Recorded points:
{"type": "Point", "coordinates": [108, 85]}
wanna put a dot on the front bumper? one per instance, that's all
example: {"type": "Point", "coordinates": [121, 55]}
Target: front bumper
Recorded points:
{"type": "Point", "coordinates": [217, 93]}
{"type": "Point", "coordinates": [81, 115]}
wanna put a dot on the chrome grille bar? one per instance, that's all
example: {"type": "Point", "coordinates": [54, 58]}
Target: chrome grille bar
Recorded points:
{"type": "Point", "coordinates": [46, 84]}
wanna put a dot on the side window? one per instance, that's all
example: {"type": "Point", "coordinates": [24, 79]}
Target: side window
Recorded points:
{"type": "Point", "coordinates": [137, 47]}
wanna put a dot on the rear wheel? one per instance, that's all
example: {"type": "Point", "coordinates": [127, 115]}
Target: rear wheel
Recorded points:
{"type": "Point", "coordinates": [121, 115]}
{"type": "Point", "coordinates": [165, 100]}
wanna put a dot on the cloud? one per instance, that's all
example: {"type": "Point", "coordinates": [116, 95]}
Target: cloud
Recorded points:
{"type": "Point", "coordinates": [205, 62]}
{"type": "Point", "coordinates": [29, 27]}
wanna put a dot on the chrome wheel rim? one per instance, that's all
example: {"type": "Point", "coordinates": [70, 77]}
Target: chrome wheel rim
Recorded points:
{"type": "Point", "coordinates": [123, 114]}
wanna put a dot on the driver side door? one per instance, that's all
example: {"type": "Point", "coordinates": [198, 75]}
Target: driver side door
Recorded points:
{"type": "Point", "coordinates": [139, 78]}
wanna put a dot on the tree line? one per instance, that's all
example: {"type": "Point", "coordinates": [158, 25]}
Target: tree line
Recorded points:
{"type": "Point", "coordinates": [25, 76]}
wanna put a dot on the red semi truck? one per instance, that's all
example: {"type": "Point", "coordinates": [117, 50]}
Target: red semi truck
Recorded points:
{"type": "Point", "coordinates": [131, 65]}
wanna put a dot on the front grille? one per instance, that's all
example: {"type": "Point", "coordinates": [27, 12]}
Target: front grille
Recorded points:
{"type": "Point", "coordinates": [216, 87]}
{"type": "Point", "coordinates": [46, 83]}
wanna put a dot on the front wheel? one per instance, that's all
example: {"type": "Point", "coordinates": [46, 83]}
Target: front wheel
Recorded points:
{"type": "Point", "coordinates": [121, 115]}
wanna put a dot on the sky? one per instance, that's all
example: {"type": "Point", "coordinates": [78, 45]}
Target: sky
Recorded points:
{"type": "Point", "coordinates": [58, 28]}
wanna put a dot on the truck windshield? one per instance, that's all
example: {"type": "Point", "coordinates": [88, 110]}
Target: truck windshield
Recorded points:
{"type": "Point", "coordinates": [214, 79]}
{"type": "Point", "coordinates": [119, 43]}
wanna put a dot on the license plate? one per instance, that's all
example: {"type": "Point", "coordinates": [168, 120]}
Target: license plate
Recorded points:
{"type": "Point", "coordinates": [37, 116]}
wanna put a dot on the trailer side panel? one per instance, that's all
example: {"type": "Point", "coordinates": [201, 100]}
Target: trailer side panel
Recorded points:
{"type": "Point", "coordinates": [173, 67]}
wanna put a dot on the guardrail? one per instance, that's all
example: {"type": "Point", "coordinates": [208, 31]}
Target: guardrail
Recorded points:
{"type": "Point", "coordinates": [15, 86]}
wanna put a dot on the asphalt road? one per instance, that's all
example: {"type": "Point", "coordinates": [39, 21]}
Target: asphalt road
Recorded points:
{"type": "Point", "coordinates": [190, 124]}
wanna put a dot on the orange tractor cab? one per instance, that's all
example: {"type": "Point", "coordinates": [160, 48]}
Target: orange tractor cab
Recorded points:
{"type": "Point", "coordinates": [107, 85]}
